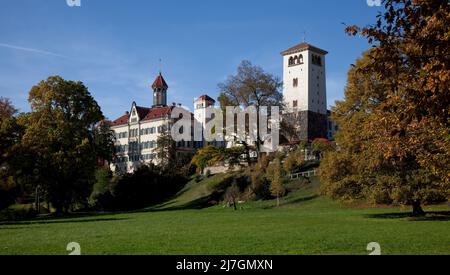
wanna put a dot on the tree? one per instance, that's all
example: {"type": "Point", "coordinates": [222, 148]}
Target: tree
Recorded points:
{"type": "Point", "coordinates": [320, 146]}
{"type": "Point", "coordinates": [251, 86]}
{"type": "Point", "coordinates": [104, 140]}
{"type": "Point", "coordinates": [294, 160]}
{"type": "Point", "coordinates": [10, 135]}
{"type": "Point", "coordinates": [358, 169]}
{"type": "Point", "coordinates": [232, 194]}
{"type": "Point", "coordinates": [60, 137]}
{"type": "Point", "coordinates": [275, 175]}
{"type": "Point", "coordinates": [166, 150]}
{"type": "Point", "coordinates": [412, 56]}
{"type": "Point", "coordinates": [7, 110]}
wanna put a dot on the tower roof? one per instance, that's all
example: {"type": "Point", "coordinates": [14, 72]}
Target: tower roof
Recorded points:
{"type": "Point", "coordinates": [303, 47]}
{"type": "Point", "coordinates": [206, 98]}
{"type": "Point", "coordinates": [160, 82]}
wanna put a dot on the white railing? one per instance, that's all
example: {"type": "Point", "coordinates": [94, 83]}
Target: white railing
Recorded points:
{"type": "Point", "coordinates": [307, 174]}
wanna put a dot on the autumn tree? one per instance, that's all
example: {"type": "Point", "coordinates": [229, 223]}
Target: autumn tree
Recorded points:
{"type": "Point", "coordinates": [210, 155]}
{"type": "Point", "coordinates": [276, 176]}
{"type": "Point", "coordinates": [359, 168]}
{"type": "Point", "coordinates": [232, 194]}
{"type": "Point", "coordinates": [60, 136]}
{"type": "Point", "coordinates": [294, 160]}
{"type": "Point", "coordinates": [205, 157]}
{"type": "Point", "coordinates": [413, 57]}
{"type": "Point", "coordinates": [251, 86]}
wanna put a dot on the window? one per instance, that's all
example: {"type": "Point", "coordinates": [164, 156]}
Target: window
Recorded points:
{"type": "Point", "coordinates": [300, 59]}
{"type": "Point", "coordinates": [295, 104]}
{"type": "Point", "coordinates": [291, 61]}
{"type": "Point", "coordinates": [317, 60]}
{"type": "Point", "coordinates": [295, 82]}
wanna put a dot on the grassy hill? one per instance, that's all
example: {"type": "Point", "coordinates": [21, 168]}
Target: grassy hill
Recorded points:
{"type": "Point", "coordinates": [304, 224]}
{"type": "Point", "coordinates": [197, 195]}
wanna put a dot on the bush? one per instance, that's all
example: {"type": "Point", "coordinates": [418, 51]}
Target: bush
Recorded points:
{"type": "Point", "coordinates": [145, 187]}
{"type": "Point", "coordinates": [8, 193]}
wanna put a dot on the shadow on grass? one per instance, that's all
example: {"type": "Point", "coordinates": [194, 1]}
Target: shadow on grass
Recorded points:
{"type": "Point", "coordinates": [193, 205]}
{"type": "Point", "coordinates": [292, 201]}
{"type": "Point", "coordinates": [430, 216]}
{"type": "Point", "coordinates": [58, 221]}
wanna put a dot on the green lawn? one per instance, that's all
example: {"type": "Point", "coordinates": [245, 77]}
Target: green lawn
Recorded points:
{"type": "Point", "coordinates": [305, 224]}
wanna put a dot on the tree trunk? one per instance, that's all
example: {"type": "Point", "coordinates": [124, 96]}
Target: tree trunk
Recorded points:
{"type": "Point", "coordinates": [278, 201]}
{"type": "Point", "coordinates": [247, 153]}
{"type": "Point", "coordinates": [417, 209]}
{"type": "Point", "coordinates": [234, 205]}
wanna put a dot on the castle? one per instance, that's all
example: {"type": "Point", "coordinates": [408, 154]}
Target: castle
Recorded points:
{"type": "Point", "coordinates": [305, 99]}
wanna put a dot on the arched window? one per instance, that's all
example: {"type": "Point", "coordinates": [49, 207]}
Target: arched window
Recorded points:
{"type": "Point", "coordinates": [300, 59]}
{"type": "Point", "coordinates": [295, 60]}
{"type": "Point", "coordinates": [291, 61]}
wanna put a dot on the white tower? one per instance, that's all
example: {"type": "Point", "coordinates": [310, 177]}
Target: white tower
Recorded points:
{"type": "Point", "coordinates": [305, 91]}
{"type": "Point", "coordinates": [200, 105]}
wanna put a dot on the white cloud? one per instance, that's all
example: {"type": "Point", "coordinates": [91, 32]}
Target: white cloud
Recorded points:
{"type": "Point", "coordinates": [9, 46]}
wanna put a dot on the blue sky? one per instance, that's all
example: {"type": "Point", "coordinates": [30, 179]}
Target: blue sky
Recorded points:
{"type": "Point", "coordinates": [114, 46]}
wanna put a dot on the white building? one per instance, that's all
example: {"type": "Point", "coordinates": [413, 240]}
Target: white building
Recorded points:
{"type": "Point", "coordinates": [137, 131]}
{"type": "Point", "coordinates": [305, 91]}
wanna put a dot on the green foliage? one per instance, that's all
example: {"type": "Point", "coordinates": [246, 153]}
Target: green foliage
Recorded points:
{"type": "Point", "coordinates": [59, 137]}
{"type": "Point", "coordinates": [166, 150]}
{"type": "Point", "coordinates": [104, 140]}
{"type": "Point", "coordinates": [10, 135]}
{"type": "Point", "coordinates": [210, 156]}
{"type": "Point", "coordinates": [102, 185]}
{"type": "Point", "coordinates": [147, 186]}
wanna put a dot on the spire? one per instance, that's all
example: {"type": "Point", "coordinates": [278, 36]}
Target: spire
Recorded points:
{"type": "Point", "coordinates": [159, 82]}
{"type": "Point", "coordinates": [159, 91]}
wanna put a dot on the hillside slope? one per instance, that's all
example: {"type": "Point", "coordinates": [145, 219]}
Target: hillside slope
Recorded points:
{"type": "Point", "coordinates": [208, 193]}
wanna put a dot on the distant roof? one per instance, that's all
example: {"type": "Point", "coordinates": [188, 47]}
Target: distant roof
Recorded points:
{"type": "Point", "coordinates": [303, 47]}
{"type": "Point", "coordinates": [206, 97]}
{"type": "Point", "coordinates": [144, 114]}
{"type": "Point", "coordinates": [158, 112]}
{"type": "Point", "coordinates": [121, 120]}
{"type": "Point", "coordinates": [159, 82]}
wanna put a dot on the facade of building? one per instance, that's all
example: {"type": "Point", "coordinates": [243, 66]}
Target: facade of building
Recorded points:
{"type": "Point", "coordinates": [305, 91]}
{"type": "Point", "coordinates": [137, 131]}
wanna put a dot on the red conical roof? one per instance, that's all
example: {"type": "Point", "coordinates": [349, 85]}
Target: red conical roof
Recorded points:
{"type": "Point", "coordinates": [160, 82]}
